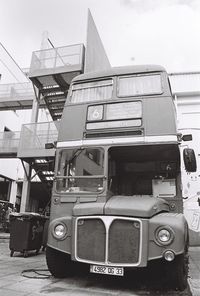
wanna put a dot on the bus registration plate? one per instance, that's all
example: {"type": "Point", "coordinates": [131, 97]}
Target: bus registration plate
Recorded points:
{"type": "Point", "coordinates": [107, 270]}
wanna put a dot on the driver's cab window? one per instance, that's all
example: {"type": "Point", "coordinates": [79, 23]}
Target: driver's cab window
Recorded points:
{"type": "Point", "coordinates": [80, 170]}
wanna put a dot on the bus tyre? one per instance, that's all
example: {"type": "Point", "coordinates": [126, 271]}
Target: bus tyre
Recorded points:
{"type": "Point", "coordinates": [177, 272]}
{"type": "Point", "coordinates": [189, 160]}
{"type": "Point", "coordinates": [59, 263]}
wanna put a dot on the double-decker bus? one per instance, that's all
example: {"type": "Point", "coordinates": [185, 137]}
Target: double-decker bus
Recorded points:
{"type": "Point", "coordinates": [117, 194]}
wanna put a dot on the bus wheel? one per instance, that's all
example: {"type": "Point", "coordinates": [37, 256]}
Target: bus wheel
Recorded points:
{"type": "Point", "coordinates": [59, 263]}
{"type": "Point", "coordinates": [177, 272]}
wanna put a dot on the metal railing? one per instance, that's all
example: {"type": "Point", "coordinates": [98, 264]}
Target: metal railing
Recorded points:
{"type": "Point", "coordinates": [56, 58]}
{"type": "Point", "coordinates": [34, 137]}
{"type": "Point", "coordinates": [9, 142]}
{"type": "Point", "coordinates": [17, 91]}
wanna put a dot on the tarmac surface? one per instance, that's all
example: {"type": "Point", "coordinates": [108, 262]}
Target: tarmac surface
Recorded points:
{"type": "Point", "coordinates": [29, 276]}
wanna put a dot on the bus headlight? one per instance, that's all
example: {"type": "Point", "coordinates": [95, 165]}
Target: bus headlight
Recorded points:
{"type": "Point", "coordinates": [60, 231]}
{"type": "Point", "coordinates": [164, 235]}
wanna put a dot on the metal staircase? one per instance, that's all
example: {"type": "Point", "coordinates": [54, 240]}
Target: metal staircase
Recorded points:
{"type": "Point", "coordinates": [31, 149]}
{"type": "Point", "coordinates": [52, 70]}
{"type": "Point", "coordinates": [43, 168]}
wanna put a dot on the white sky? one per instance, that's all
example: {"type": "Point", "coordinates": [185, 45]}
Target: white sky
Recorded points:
{"type": "Point", "coordinates": [165, 32]}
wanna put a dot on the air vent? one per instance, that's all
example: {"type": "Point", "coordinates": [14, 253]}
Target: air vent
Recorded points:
{"type": "Point", "coordinates": [113, 134]}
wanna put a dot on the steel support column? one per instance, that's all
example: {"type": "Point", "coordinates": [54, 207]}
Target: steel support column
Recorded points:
{"type": "Point", "coordinates": [25, 200]}
{"type": "Point", "coordinates": [26, 189]}
{"type": "Point", "coordinates": [13, 192]}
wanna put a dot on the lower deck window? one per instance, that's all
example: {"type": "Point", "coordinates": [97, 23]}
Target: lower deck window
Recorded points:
{"type": "Point", "coordinates": [140, 170]}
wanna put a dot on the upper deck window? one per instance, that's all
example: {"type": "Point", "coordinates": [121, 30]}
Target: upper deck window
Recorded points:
{"type": "Point", "coordinates": [139, 85]}
{"type": "Point", "coordinates": [91, 91]}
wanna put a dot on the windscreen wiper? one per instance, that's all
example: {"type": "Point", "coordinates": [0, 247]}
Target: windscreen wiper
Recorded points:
{"type": "Point", "coordinates": [74, 156]}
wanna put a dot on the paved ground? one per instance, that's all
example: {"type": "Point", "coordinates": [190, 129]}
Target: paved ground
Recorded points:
{"type": "Point", "coordinates": [194, 276]}
{"type": "Point", "coordinates": [13, 282]}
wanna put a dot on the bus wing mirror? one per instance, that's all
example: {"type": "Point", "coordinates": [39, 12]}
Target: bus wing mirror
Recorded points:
{"type": "Point", "coordinates": [189, 160]}
{"type": "Point", "coordinates": [187, 137]}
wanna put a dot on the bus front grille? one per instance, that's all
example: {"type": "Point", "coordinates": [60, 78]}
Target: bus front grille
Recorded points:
{"type": "Point", "coordinates": [108, 240]}
{"type": "Point", "coordinates": [123, 244]}
{"type": "Point", "coordinates": [91, 239]}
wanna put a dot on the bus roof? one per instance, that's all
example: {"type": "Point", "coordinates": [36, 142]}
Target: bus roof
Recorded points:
{"type": "Point", "coordinates": [115, 71]}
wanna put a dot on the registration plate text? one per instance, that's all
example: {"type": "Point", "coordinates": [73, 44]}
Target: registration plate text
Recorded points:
{"type": "Point", "coordinates": [107, 270]}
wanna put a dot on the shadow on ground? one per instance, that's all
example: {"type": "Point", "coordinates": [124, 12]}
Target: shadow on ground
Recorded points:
{"type": "Point", "coordinates": [143, 281]}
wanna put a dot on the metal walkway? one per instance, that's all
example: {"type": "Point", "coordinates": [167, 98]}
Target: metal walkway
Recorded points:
{"type": "Point", "coordinates": [17, 96]}
{"type": "Point", "coordinates": [51, 72]}
{"type": "Point", "coordinates": [29, 146]}
{"type": "Point", "coordinates": [9, 142]}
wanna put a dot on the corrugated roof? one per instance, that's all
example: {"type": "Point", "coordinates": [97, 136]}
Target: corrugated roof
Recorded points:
{"type": "Point", "coordinates": [185, 82]}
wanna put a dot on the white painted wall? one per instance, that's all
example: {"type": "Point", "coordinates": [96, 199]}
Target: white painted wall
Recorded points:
{"type": "Point", "coordinates": [187, 89]}
{"type": "Point", "coordinates": [191, 189]}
